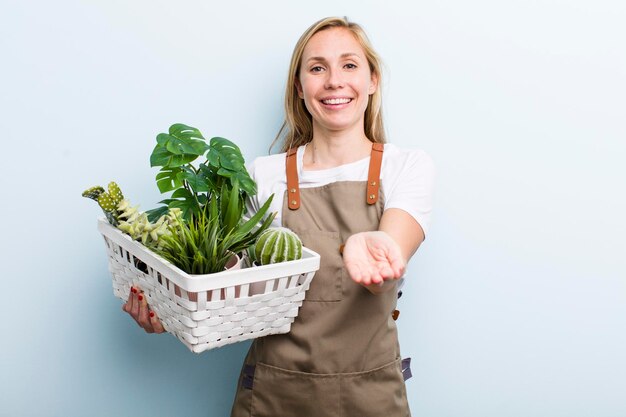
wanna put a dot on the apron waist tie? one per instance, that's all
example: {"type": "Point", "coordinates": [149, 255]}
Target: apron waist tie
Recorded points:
{"type": "Point", "coordinates": [406, 368]}
{"type": "Point", "coordinates": [248, 376]}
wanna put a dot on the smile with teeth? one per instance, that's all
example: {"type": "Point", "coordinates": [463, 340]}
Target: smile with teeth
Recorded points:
{"type": "Point", "coordinates": [337, 101]}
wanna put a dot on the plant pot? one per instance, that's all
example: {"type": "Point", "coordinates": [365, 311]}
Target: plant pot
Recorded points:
{"type": "Point", "coordinates": [234, 262]}
{"type": "Point", "coordinates": [257, 287]}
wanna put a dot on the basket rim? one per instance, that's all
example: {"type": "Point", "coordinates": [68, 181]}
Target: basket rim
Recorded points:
{"type": "Point", "coordinates": [309, 262]}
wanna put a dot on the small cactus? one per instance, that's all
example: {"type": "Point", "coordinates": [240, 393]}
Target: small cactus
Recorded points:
{"type": "Point", "coordinates": [121, 214]}
{"type": "Point", "coordinates": [115, 192]}
{"type": "Point", "coordinates": [108, 201]}
{"type": "Point", "coordinates": [277, 244]}
{"type": "Point", "coordinates": [93, 192]}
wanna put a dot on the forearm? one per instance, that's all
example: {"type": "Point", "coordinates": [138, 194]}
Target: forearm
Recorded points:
{"type": "Point", "coordinates": [407, 233]}
{"type": "Point", "coordinates": [404, 230]}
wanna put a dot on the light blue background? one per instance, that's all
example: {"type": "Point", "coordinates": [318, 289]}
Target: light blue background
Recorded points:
{"type": "Point", "coordinates": [514, 306]}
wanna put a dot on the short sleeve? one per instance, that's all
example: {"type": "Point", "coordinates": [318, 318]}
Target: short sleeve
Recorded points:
{"type": "Point", "coordinates": [408, 185]}
{"type": "Point", "coordinates": [267, 173]}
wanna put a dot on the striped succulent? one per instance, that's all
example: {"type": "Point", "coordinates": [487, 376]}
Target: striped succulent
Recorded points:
{"type": "Point", "coordinates": [138, 227]}
{"type": "Point", "coordinates": [277, 244]}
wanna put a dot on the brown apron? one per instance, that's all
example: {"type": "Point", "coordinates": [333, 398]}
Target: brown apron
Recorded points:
{"type": "Point", "coordinates": [341, 357]}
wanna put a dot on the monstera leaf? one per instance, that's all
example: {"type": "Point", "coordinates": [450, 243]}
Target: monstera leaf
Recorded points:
{"type": "Point", "coordinates": [225, 157]}
{"type": "Point", "coordinates": [214, 191]}
{"type": "Point", "coordinates": [182, 145]}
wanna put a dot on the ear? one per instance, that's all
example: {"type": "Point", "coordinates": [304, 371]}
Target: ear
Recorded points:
{"type": "Point", "coordinates": [373, 84]}
{"type": "Point", "coordinates": [299, 87]}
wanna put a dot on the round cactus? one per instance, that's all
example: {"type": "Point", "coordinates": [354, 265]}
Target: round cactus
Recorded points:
{"type": "Point", "coordinates": [277, 244]}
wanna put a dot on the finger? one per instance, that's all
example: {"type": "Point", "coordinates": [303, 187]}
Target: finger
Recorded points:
{"type": "Point", "coordinates": [398, 266]}
{"type": "Point", "coordinates": [128, 302]}
{"type": "Point", "coordinates": [134, 306]}
{"type": "Point", "coordinates": [366, 277]}
{"type": "Point", "coordinates": [143, 319]}
{"type": "Point", "coordinates": [377, 278]}
{"type": "Point", "coordinates": [386, 272]}
{"type": "Point", "coordinates": [156, 323]}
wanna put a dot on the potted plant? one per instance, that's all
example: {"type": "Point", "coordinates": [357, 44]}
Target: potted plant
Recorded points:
{"type": "Point", "coordinates": [211, 197]}
{"type": "Point", "coordinates": [177, 252]}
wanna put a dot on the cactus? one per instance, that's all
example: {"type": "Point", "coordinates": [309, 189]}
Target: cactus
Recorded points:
{"type": "Point", "coordinates": [277, 244]}
{"type": "Point", "coordinates": [93, 192]}
{"type": "Point", "coordinates": [108, 201]}
{"type": "Point", "coordinates": [121, 214]}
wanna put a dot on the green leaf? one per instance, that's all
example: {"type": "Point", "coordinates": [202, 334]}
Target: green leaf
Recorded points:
{"type": "Point", "coordinates": [169, 179]}
{"type": "Point", "coordinates": [211, 177]}
{"type": "Point", "coordinates": [161, 157]}
{"type": "Point", "coordinates": [182, 193]}
{"type": "Point", "coordinates": [188, 207]}
{"type": "Point", "coordinates": [231, 207]}
{"type": "Point", "coordinates": [182, 146]}
{"type": "Point", "coordinates": [185, 200]}
{"type": "Point", "coordinates": [182, 130]}
{"type": "Point", "coordinates": [197, 181]}
{"type": "Point", "coordinates": [225, 154]}
{"type": "Point", "coordinates": [154, 214]}
{"type": "Point", "coordinates": [254, 220]}
{"type": "Point", "coordinates": [246, 183]}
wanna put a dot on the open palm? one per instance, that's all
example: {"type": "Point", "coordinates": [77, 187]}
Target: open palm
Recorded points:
{"type": "Point", "coordinates": [373, 257]}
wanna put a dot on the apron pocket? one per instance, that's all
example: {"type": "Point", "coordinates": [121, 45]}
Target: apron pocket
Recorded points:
{"type": "Point", "coordinates": [326, 285]}
{"type": "Point", "coordinates": [379, 392]}
{"type": "Point", "coordinates": [284, 393]}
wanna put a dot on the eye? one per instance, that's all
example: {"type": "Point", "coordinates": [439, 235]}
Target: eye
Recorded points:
{"type": "Point", "coordinates": [350, 66]}
{"type": "Point", "coordinates": [316, 68]}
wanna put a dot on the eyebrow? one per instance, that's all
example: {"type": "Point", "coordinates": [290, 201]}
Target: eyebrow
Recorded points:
{"type": "Point", "coordinates": [344, 55]}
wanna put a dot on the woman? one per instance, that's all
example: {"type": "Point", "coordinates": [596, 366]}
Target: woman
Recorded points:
{"type": "Point", "coordinates": [364, 207]}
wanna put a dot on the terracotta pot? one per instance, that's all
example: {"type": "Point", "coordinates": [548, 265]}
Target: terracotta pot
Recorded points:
{"type": "Point", "coordinates": [235, 262]}
{"type": "Point", "coordinates": [257, 287]}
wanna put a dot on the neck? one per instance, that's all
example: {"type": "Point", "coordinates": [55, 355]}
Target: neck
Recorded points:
{"type": "Point", "coordinates": [330, 150]}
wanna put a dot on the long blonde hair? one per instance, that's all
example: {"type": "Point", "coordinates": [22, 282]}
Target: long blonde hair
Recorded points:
{"type": "Point", "coordinates": [297, 129]}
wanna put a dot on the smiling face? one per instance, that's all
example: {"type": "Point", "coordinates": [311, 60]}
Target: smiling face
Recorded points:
{"type": "Point", "coordinates": [335, 81]}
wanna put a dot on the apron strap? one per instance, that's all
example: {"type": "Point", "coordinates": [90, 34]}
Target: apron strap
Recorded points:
{"type": "Point", "coordinates": [293, 187]}
{"type": "Point", "coordinates": [373, 176]}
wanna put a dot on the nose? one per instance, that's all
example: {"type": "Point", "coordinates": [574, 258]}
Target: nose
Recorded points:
{"type": "Point", "coordinates": [334, 79]}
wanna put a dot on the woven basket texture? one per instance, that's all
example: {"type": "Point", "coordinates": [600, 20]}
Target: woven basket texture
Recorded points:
{"type": "Point", "coordinates": [209, 311]}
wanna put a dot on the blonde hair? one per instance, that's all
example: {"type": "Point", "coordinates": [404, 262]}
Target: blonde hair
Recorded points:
{"type": "Point", "coordinates": [297, 129]}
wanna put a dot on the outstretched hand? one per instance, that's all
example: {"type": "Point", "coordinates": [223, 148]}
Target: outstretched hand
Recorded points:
{"type": "Point", "coordinates": [372, 258]}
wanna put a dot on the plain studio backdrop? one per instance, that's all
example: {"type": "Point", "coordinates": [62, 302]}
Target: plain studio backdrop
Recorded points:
{"type": "Point", "coordinates": [515, 306]}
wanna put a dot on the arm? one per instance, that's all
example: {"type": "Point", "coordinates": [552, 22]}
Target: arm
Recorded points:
{"type": "Point", "coordinates": [378, 259]}
{"type": "Point", "coordinates": [403, 229]}
{"type": "Point", "coordinates": [406, 233]}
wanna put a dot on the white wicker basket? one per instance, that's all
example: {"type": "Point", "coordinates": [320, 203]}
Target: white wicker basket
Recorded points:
{"type": "Point", "coordinates": [209, 311]}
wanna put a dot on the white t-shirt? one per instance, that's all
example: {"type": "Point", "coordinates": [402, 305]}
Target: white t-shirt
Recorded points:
{"type": "Point", "coordinates": [406, 180]}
